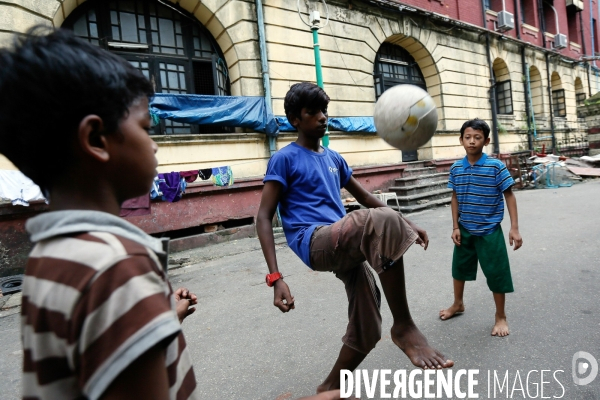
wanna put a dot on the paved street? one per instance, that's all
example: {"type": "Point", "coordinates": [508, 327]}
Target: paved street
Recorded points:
{"type": "Point", "coordinates": [244, 348]}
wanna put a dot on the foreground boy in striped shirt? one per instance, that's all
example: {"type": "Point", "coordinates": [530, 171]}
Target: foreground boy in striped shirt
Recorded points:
{"type": "Point", "coordinates": [99, 318]}
{"type": "Point", "coordinates": [477, 210]}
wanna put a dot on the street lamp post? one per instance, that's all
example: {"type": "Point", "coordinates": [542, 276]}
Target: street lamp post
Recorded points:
{"type": "Point", "coordinates": [315, 25]}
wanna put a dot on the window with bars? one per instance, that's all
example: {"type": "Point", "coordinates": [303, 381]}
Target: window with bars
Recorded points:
{"type": "Point", "coordinates": [504, 97]}
{"type": "Point", "coordinates": [580, 98]}
{"type": "Point", "coordinates": [394, 66]}
{"type": "Point", "coordinates": [558, 103]}
{"type": "Point", "coordinates": [173, 50]}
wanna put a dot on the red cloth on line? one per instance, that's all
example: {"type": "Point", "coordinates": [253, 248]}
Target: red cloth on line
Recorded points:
{"type": "Point", "coordinates": [136, 206]}
{"type": "Point", "coordinates": [189, 176]}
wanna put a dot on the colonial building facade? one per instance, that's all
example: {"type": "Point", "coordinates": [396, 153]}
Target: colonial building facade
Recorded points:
{"type": "Point", "coordinates": [520, 64]}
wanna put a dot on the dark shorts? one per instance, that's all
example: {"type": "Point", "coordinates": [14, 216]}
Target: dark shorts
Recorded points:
{"type": "Point", "coordinates": [490, 251]}
{"type": "Point", "coordinates": [377, 236]}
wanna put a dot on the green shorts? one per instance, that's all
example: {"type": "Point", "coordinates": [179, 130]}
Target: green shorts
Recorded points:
{"type": "Point", "coordinates": [490, 251]}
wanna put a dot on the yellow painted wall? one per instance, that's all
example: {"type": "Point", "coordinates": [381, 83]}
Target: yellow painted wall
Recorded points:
{"type": "Point", "coordinates": [454, 66]}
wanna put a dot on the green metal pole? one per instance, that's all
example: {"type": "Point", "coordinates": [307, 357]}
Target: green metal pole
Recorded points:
{"type": "Point", "coordinates": [315, 32]}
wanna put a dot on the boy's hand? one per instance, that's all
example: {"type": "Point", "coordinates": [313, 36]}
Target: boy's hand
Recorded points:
{"type": "Point", "coordinates": [515, 237]}
{"type": "Point", "coordinates": [184, 300]}
{"type": "Point", "coordinates": [283, 298]}
{"type": "Point", "coordinates": [456, 236]}
{"type": "Point", "coordinates": [423, 239]}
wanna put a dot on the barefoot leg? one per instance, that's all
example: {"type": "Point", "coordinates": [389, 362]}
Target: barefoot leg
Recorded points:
{"type": "Point", "coordinates": [347, 359]}
{"type": "Point", "coordinates": [500, 328]}
{"type": "Point", "coordinates": [405, 333]}
{"type": "Point", "coordinates": [458, 306]}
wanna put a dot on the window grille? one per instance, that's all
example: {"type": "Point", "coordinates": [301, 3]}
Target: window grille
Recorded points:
{"type": "Point", "coordinates": [558, 103]}
{"type": "Point", "coordinates": [504, 97]}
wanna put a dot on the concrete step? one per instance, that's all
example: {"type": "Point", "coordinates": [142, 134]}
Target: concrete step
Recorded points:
{"type": "Point", "coordinates": [418, 171]}
{"type": "Point", "coordinates": [424, 206]}
{"type": "Point", "coordinates": [421, 179]}
{"type": "Point", "coordinates": [422, 198]}
{"type": "Point", "coordinates": [415, 164]}
{"type": "Point", "coordinates": [418, 189]}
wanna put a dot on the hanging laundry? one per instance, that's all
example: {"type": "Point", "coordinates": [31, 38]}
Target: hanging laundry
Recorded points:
{"type": "Point", "coordinates": [189, 176]}
{"type": "Point", "coordinates": [172, 187]}
{"type": "Point", "coordinates": [136, 206]}
{"type": "Point", "coordinates": [205, 173]}
{"type": "Point", "coordinates": [18, 188]}
{"type": "Point", "coordinates": [222, 176]}
{"type": "Point", "coordinates": [155, 191]}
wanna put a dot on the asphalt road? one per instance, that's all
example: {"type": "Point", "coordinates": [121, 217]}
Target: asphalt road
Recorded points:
{"type": "Point", "coordinates": [244, 348]}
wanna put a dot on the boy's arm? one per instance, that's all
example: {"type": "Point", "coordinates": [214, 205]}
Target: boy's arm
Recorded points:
{"type": "Point", "coordinates": [145, 378]}
{"type": "Point", "coordinates": [511, 204]}
{"type": "Point", "coordinates": [268, 206]}
{"type": "Point", "coordinates": [455, 236]}
{"type": "Point", "coordinates": [368, 200]}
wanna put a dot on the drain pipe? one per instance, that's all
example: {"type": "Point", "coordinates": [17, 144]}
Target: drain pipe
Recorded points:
{"type": "Point", "coordinates": [526, 74]}
{"type": "Point", "coordinates": [262, 44]}
{"type": "Point", "coordinates": [543, 28]}
{"type": "Point", "coordinates": [592, 47]}
{"type": "Point", "coordinates": [550, 102]}
{"type": "Point", "coordinates": [492, 84]}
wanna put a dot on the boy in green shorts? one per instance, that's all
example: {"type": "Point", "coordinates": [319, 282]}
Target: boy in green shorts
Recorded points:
{"type": "Point", "coordinates": [477, 210]}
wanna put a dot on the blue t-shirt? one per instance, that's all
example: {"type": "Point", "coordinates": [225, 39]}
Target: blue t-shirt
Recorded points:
{"type": "Point", "coordinates": [479, 188]}
{"type": "Point", "coordinates": [311, 192]}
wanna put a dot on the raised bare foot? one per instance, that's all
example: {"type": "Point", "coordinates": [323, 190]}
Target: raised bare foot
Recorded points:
{"type": "Point", "coordinates": [500, 329]}
{"type": "Point", "coordinates": [452, 311]}
{"type": "Point", "coordinates": [412, 342]}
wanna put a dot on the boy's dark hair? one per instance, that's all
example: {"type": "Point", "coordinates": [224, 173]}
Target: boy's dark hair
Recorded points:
{"type": "Point", "coordinates": [478, 125]}
{"type": "Point", "coordinates": [49, 82]}
{"type": "Point", "coordinates": [304, 94]}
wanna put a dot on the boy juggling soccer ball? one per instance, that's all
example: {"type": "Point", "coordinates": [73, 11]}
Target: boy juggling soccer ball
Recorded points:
{"type": "Point", "coordinates": [305, 180]}
{"type": "Point", "coordinates": [99, 317]}
{"type": "Point", "coordinates": [477, 210]}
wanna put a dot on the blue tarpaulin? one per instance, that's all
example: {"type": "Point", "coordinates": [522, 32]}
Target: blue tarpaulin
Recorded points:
{"type": "Point", "coordinates": [239, 111]}
{"type": "Point", "coordinates": [243, 112]}
{"type": "Point", "coordinates": [342, 124]}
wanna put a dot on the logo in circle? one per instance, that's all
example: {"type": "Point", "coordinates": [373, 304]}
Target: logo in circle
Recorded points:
{"type": "Point", "coordinates": [581, 368]}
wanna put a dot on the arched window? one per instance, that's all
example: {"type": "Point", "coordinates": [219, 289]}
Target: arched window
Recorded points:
{"type": "Point", "coordinates": [504, 103]}
{"type": "Point", "coordinates": [559, 108]}
{"type": "Point", "coordinates": [395, 66]}
{"type": "Point", "coordinates": [172, 49]}
{"type": "Point", "coordinates": [537, 91]}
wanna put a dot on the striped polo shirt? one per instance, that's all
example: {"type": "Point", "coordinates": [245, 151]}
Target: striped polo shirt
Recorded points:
{"type": "Point", "coordinates": [479, 190]}
{"type": "Point", "coordinates": [92, 304]}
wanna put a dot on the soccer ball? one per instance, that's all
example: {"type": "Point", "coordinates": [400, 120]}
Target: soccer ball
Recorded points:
{"type": "Point", "coordinates": [405, 117]}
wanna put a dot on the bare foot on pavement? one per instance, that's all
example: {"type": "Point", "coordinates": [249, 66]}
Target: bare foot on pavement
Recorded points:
{"type": "Point", "coordinates": [500, 329]}
{"type": "Point", "coordinates": [452, 311]}
{"type": "Point", "coordinates": [412, 342]}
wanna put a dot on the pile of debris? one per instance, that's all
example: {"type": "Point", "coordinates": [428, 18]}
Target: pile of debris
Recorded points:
{"type": "Point", "coordinates": [552, 171]}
